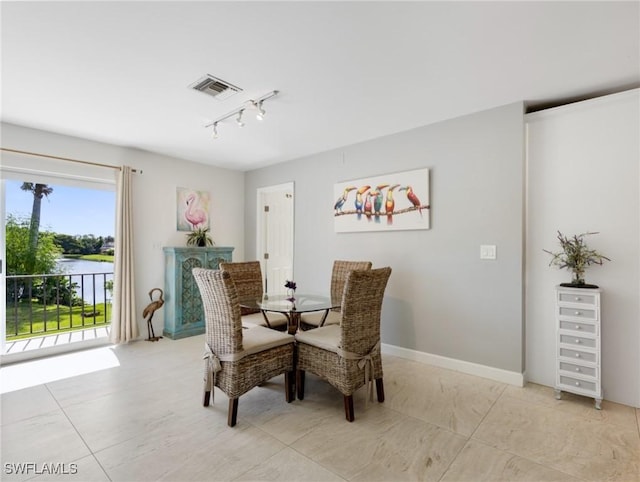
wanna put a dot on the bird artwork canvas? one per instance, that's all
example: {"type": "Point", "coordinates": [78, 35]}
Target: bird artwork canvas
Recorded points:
{"type": "Point", "coordinates": [398, 201]}
{"type": "Point", "coordinates": [192, 209]}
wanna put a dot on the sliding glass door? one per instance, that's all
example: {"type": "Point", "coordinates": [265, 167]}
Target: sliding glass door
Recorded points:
{"type": "Point", "coordinates": [57, 261]}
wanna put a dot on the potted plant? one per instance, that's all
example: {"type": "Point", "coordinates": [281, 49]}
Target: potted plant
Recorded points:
{"type": "Point", "coordinates": [576, 256]}
{"type": "Point", "coordinates": [199, 237]}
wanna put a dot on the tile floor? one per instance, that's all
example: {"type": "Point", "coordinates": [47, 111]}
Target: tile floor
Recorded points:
{"type": "Point", "coordinates": [137, 415]}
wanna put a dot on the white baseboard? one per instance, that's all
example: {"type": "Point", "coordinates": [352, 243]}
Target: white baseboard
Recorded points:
{"type": "Point", "coordinates": [497, 374]}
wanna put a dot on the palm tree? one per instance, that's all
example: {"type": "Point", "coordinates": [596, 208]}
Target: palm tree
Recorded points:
{"type": "Point", "coordinates": [38, 191]}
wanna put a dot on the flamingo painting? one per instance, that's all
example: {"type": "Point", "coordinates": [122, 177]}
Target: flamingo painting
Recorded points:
{"type": "Point", "coordinates": [193, 210]}
{"type": "Point", "coordinates": [195, 215]}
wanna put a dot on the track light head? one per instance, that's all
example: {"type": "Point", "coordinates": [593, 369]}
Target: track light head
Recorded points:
{"type": "Point", "coordinates": [239, 118]}
{"type": "Point", "coordinates": [261, 111]}
{"type": "Point", "coordinates": [215, 130]}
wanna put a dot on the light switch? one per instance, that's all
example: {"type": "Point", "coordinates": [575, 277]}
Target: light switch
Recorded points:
{"type": "Point", "coordinates": [488, 251]}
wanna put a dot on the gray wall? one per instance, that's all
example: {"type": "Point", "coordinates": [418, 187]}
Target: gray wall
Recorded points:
{"type": "Point", "coordinates": [441, 299]}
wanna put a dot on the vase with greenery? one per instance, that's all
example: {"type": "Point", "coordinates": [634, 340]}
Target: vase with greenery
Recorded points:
{"type": "Point", "coordinates": [576, 256]}
{"type": "Point", "coordinates": [199, 237]}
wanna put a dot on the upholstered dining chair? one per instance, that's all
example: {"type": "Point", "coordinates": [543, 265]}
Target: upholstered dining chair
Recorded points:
{"type": "Point", "coordinates": [341, 269]}
{"type": "Point", "coordinates": [237, 359]}
{"type": "Point", "coordinates": [348, 355]}
{"type": "Point", "coordinates": [247, 276]}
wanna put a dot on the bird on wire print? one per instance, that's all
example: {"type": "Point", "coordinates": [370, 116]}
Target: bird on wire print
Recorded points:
{"type": "Point", "coordinates": [373, 203]}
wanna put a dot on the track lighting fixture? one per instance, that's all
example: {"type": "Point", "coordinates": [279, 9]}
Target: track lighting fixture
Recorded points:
{"type": "Point", "coordinates": [239, 112]}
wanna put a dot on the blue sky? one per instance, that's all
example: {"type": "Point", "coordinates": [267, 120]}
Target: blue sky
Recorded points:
{"type": "Point", "coordinates": [68, 210]}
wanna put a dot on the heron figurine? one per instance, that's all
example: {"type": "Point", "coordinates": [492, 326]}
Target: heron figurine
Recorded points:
{"type": "Point", "coordinates": [150, 310]}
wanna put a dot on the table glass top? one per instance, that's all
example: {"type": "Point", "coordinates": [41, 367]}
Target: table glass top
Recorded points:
{"type": "Point", "coordinates": [302, 303]}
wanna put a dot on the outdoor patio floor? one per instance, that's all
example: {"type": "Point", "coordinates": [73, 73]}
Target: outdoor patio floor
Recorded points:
{"type": "Point", "coordinates": [27, 347]}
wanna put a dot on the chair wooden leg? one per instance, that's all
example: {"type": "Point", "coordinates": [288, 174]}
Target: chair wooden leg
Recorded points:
{"type": "Point", "coordinates": [289, 386]}
{"type": "Point", "coordinates": [206, 398]}
{"type": "Point", "coordinates": [348, 407]}
{"type": "Point", "coordinates": [380, 390]}
{"type": "Point", "coordinates": [233, 412]}
{"type": "Point", "coordinates": [300, 384]}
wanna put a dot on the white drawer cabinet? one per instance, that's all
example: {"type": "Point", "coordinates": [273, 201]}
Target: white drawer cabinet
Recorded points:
{"type": "Point", "coordinates": [578, 367]}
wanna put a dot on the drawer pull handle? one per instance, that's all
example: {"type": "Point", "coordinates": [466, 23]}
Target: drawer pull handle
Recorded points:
{"type": "Point", "coordinates": [577, 384]}
{"type": "Point", "coordinates": [577, 369]}
{"type": "Point", "coordinates": [577, 355]}
{"type": "Point", "coordinates": [577, 327]}
{"type": "Point", "coordinates": [578, 313]}
{"type": "Point", "coordinates": [577, 342]}
{"type": "Point", "coordinates": [578, 298]}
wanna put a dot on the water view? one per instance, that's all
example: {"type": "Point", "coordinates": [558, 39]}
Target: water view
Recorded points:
{"type": "Point", "coordinates": [92, 289]}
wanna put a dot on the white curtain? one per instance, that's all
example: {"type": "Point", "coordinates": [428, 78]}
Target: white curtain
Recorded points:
{"type": "Point", "coordinates": [124, 327]}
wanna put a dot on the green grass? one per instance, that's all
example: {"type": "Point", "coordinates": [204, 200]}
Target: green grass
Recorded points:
{"type": "Point", "coordinates": [69, 318]}
{"type": "Point", "coordinates": [91, 257]}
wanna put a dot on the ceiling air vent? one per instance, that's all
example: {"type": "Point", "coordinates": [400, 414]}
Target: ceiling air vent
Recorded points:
{"type": "Point", "coordinates": [215, 87]}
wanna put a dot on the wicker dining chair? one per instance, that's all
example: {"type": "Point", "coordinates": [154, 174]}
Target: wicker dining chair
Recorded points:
{"type": "Point", "coordinates": [247, 276]}
{"type": "Point", "coordinates": [338, 278]}
{"type": "Point", "coordinates": [348, 355]}
{"type": "Point", "coordinates": [237, 359]}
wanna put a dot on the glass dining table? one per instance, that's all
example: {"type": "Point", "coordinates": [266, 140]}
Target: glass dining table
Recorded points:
{"type": "Point", "coordinates": [291, 307]}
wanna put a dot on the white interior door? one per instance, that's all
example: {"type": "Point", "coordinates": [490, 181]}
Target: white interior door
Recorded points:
{"type": "Point", "coordinates": [275, 235]}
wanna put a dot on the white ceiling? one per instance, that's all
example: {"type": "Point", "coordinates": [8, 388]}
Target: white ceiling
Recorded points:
{"type": "Point", "coordinates": [347, 71]}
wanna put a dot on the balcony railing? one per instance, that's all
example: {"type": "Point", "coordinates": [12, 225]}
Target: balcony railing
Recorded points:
{"type": "Point", "coordinates": [49, 303]}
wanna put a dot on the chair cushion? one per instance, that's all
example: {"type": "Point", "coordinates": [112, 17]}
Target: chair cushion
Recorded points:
{"type": "Point", "coordinates": [325, 337]}
{"type": "Point", "coordinates": [260, 338]}
{"type": "Point", "coordinates": [253, 319]}
{"type": "Point", "coordinates": [256, 319]}
{"type": "Point", "coordinates": [315, 317]}
{"type": "Point", "coordinates": [276, 319]}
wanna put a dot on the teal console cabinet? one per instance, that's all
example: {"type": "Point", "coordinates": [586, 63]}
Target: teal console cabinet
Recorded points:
{"type": "Point", "coordinates": [183, 313]}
